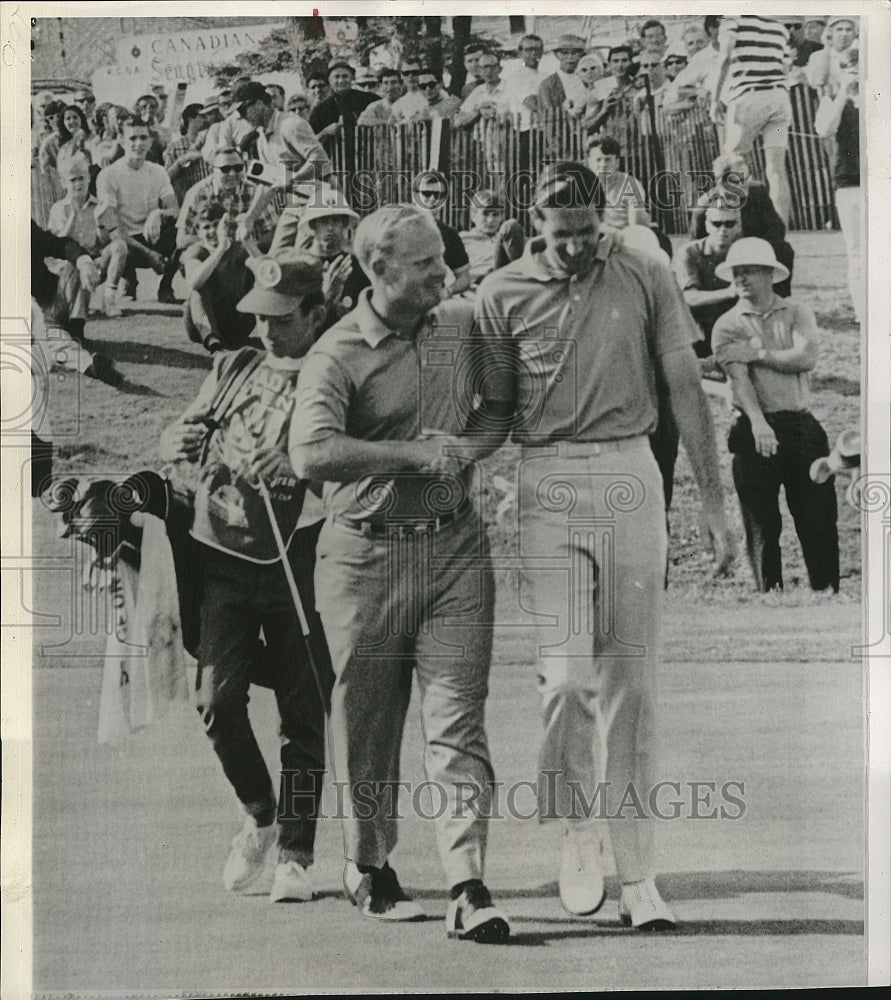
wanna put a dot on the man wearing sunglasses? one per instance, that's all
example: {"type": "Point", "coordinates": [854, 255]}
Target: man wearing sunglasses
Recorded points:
{"type": "Point", "coordinates": [707, 295]}
{"type": "Point", "coordinates": [243, 199]}
{"type": "Point", "coordinates": [439, 103]}
{"type": "Point", "coordinates": [390, 88]}
{"type": "Point", "coordinates": [410, 107]}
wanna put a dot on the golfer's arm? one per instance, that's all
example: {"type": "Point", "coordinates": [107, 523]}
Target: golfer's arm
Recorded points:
{"type": "Point", "coordinates": [744, 392]}
{"type": "Point", "coordinates": [680, 369]}
{"type": "Point", "coordinates": [343, 459]}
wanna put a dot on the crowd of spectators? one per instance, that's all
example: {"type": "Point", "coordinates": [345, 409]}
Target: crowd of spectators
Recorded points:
{"type": "Point", "coordinates": [208, 190]}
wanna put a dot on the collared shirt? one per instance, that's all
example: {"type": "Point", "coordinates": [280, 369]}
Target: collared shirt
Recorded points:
{"type": "Point", "coordinates": [363, 380]}
{"type": "Point", "coordinates": [81, 224]}
{"type": "Point", "coordinates": [230, 513]}
{"type": "Point", "coordinates": [133, 193]}
{"type": "Point", "coordinates": [581, 351]}
{"type": "Point", "coordinates": [410, 107]}
{"type": "Point", "coordinates": [776, 391]}
{"type": "Point", "coordinates": [622, 192]}
{"type": "Point", "coordinates": [694, 265]}
{"type": "Point", "coordinates": [206, 192]}
{"type": "Point", "coordinates": [226, 134]}
{"type": "Point", "coordinates": [484, 94]}
{"type": "Point", "coordinates": [481, 250]}
{"type": "Point", "coordinates": [522, 83]}
{"type": "Point", "coordinates": [289, 137]}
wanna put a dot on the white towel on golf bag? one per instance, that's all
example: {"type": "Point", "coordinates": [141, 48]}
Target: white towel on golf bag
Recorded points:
{"type": "Point", "coordinates": [145, 663]}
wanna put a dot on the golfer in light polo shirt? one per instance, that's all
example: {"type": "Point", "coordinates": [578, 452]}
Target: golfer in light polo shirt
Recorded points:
{"type": "Point", "coordinates": [584, 325]}
{"type": "Point", "coordinates": [404, 575]}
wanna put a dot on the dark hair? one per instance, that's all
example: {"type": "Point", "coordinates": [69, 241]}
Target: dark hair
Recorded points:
{"type": "Point", "coordinates": [651, 24]}
{"type": "Point", "coordinates": [84, 123]}
{"type": "Point", "coordinates": [340, 64]}
{"type": "Point", "coordinates": [317, 76]}
{"type": "Point", "coordinates": [148, 97]}
{"type": "Point", "coordinates": [568, 185]}
{"type": "Point", "coordinates": [606, 143]}
{"type": "Point", "coordinates": [134, 121]}
{"type": "Point", "coordinates": [210, 213]}
{"type": "Point", "coordinates": [620, 48]}
{"type": "Point", "coordinates": [430, 72]}
{"type": "Point", "coordinates": [475, 47]}
{"type": "Point", "coordinates": [531, 38]}
{"type": "Point", "coordinates": [712, 21]}
{"type": "Point", "coordinates": [190, 111]}
{"type": "Point", "coordinates": [388, 71]}
{"type": "Point", "coordinates": [309, 302]}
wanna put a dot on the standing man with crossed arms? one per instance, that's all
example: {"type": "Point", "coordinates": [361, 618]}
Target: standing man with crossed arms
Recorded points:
{"type": "Point", "coordinates": [584, 324]}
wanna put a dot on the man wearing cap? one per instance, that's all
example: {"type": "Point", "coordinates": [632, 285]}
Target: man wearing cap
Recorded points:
{"type": "Point", "coordinates": [492, 240]}
{"type": "Point", "coordinates": [246, 201]}
{"type": "Point", "coordinates": [564, 85]}
{"type": "Point", "coordinates": [217, 278]}
{"type": "Point", "coordinates": [245, 480]}
{"type": "Point", "coordinates": [584, 325]}
{"type": "Point", "coordinates": [342, 108]}
{"type": "Point", "coordinates": [324, 228]}
{"type": "Point", "coordinates": [404, 578]}
{"type": "Point", "coordinates": [767, 346]}
{"type": "Point", "coordinates": [823, 69]}
{"type": "Point", "coordinates": [282, 137]}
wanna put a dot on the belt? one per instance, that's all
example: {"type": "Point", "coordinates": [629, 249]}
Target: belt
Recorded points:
{"type": "Point", "coordinates": [588, 448]}
{"type": "Point", "coordinates": [414, 526]}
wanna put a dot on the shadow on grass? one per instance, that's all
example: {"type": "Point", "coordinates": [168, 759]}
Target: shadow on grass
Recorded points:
{"type": "Point", "coordinates": [131, 352]}
{"type": "Point", "coordinates": [835, 383]}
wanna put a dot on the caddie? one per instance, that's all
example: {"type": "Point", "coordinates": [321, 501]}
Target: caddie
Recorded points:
{"type": "Point", "coordinates": [238, 454]}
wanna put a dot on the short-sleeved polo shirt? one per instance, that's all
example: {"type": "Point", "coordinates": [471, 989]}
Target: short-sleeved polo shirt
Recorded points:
{"type": "Point", "coordinates": [362, 380]}
{"type": "Point", "coordinates": [776, 391]}
{"type": "Point", "coordinates": [133, 193]}
{"type": "Point", "coordinates": [579, 353]}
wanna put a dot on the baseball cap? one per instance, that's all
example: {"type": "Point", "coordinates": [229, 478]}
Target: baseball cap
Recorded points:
{"type": "Point", "coordinates": [570, 42]}
{"type": "Point", "coordinates": [248, 92]}
{"type": "Point", "coordinates": [752, 251]}
{"type": "Point", "coordinates": [840, 18]}
{"type": "Point", "coordinates": [280, 282]}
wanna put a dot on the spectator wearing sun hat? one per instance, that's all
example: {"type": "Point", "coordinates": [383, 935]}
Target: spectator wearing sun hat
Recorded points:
{"type": "Point", "coordinates": [823, 71]}
{"type": "Point", "coordinates": [564, 84]}
{"type": "Point", "coordinates": [767, 346]}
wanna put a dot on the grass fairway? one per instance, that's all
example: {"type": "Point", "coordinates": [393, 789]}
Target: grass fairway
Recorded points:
{"type": "Point", "coordinates": [761, 691]}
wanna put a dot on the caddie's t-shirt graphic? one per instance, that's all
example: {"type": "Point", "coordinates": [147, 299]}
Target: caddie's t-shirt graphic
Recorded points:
{"type": "Point", "coordinates": [230, 513]}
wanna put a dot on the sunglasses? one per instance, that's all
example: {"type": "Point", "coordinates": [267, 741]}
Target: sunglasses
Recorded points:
{"type": "Point", "coordinates": [723, 223]}
{"type": "Point", "coordinates": [231, 168]}
{"type": "Point", "coordinates": [434, 193]}
{"type": "Point", "coordinates": [410, 72]}
{"type": "Point", "coordinates": [675, 59]}
{"type": "Point", "coordinates": [428, 85]}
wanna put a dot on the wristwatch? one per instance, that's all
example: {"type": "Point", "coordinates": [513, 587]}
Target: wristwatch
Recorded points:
{"type": "Point", "coordinates": [762, 354]}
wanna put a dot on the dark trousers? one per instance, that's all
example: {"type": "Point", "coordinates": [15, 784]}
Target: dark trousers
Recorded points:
{"type": "Point", "coordinates": [239, 598]}
{"type": "Point", "coordinates": [165, 246]}
{"type": "Point", "coordinates": [813, 506]}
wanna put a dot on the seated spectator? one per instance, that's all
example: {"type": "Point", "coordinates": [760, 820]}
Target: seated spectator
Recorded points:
{"type": "Point", "coordinates": [624, 200]}
{"type": "Point", "coordinates": [439, 103]}
{"type": "Point", "coordinates": [185, 151]}
{"type": "Point", "coordinates": [708, 295]}
{"type": "Point", "coordinates": [146, 110]}
{"type": "Point", "coordinates": [758, 216]}
{"type": "Point", "coordinates": [823, 69]}
{"type": "Point", "coordinates": [74, 217]}
{"type": "Point", "coordinates": [324, 228]}
{"type": "Point", "coordinates": [217, 278]}
{"type": "Point", "coordinates": [76, 124]}
{"type": "Point", "coordinates": [246, 201]}
{"type": "Point", "coordinates": [141, 197]}
{"type": "Point", "coordinates": [492, 241]}
{"type": "Point", "coordinates": [391, 89]}
{"type": "Point", "coordinates": [430, 190]}
{"type": "Point", "coordinates": [342, 109]}
{"type": "Point", "coordinates": [104, 145]}
{"type": "Point", "coordinates": [56, 136]}
{"type": "Point", "coordinates": [412, 106]}
{"type": "Point", "coordinates": [564, 85]}
{"type": "Point", "coordinates": [284, 138]}
{"type": "Point", "coordinates": [767, 346]}
{"type": "Point", "coordinates": [231, 128]}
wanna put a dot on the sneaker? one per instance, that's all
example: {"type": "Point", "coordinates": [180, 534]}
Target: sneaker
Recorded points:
{"type": "Point", "coordinates": [379, 895]}
{"type": "Point", "coordinates": [581, 870]}
{"type": "Point", "coordinates": [473, 917]}
{"type": "Point", "coordinates": [642, 907]}
{"type": "Point", "coordinates": [247, 859]}
{"type": "Point", "coordinates": [290, 883]}
{"type": "Point", "coordinates": [110, 305]}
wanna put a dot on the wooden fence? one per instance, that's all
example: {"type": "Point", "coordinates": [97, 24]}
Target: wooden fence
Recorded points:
{"type": "Point", "coordinates": [376, 164]}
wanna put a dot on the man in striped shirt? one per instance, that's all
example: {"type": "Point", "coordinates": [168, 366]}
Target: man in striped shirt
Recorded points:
{"type": "Point", "coordinates": [753, 58]}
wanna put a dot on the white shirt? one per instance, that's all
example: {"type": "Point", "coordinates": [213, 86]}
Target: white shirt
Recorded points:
{"type": "Point", "coordinates": [522, 83]}
{"type": "Point", "coordinates": [573, 87]}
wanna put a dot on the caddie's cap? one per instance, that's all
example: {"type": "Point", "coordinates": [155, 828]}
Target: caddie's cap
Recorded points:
{"type": "Point", "coordinates": [570, 43]}
{"type": "Point", "coordinates": [841, 17]}
{"type": "Point", "coordinates": [325, 201]}
{"type": "Point", "coordinates": [568, 185]}
{"type": "Point", "coordinates": [280, 282]}
{"type": "Point", "coordinates": [248, 92]}
{"type": "Point", "coordinates": [753, 252]}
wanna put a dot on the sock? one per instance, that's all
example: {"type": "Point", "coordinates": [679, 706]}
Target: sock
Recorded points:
{"type": "Point", "coordinates": [456, 890]}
